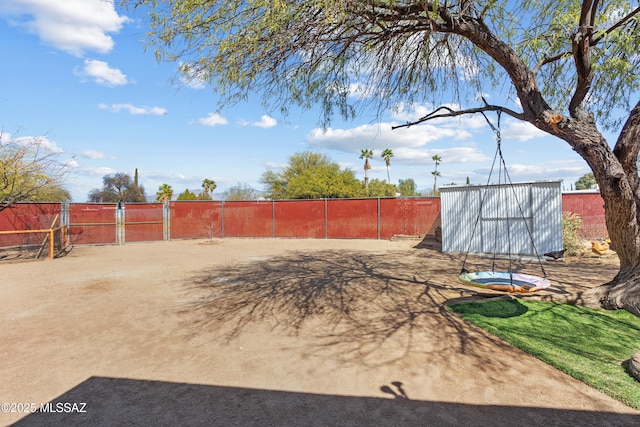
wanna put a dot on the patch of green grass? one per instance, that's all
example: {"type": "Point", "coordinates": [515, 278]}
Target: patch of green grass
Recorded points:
{"type": "Point", "coordinates": [587, 344]}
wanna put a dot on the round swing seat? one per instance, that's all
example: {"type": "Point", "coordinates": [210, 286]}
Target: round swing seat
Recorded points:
{"type": "Point", "coordinates": [505, 282]}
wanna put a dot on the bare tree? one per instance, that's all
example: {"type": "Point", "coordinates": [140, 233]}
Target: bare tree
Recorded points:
{"type": "Point", "coordinates": [30, 170]}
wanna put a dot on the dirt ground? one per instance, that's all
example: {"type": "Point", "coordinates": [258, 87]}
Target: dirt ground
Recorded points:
{"type": "Point", "coordinates": [273, 332]}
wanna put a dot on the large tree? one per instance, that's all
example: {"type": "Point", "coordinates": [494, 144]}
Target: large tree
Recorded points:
{"type": "Point", "coordinates": [571, 66]}
{"type": "Point", "coordinates": [408, 187]}
{"type": "Point", "coordinates": [241, 192]}
{"type": "Point", "coordinates": [30, 171]}
{"type": "Point", "coordinates": [118, 187]}
{"type": "Point", "coordinates": [381, 188]}
{"type": "Point", "coordinates": [586, 182]}
{"type": "Point", "coordinates": [187, 195]}
{"type": "Point", "coordinates": [311, 175]}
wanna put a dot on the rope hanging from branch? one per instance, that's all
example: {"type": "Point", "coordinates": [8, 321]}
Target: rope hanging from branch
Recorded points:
{"type": "Point", "coordinates": [514, 280]}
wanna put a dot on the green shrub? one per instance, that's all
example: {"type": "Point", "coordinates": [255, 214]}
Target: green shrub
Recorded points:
{"type": "Point", "coordinates": [571, 224]}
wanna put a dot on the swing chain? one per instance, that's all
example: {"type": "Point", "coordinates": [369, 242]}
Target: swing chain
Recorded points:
{"type": "Point", "coordinates": [502, 165]}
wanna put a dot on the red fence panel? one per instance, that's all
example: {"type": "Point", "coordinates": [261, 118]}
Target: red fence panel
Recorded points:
{"type": "Point", "coordinates": [412, 217]}
{"type": "Point", "coordinates": [28, 216]}
{"type": "Point", "coordinates": [143, 222]}
{"type": "Point", "coordinates": [589, 207]}
{"type": "Point", "coordinates": [195, 219]}
{"type": "Point", "coordinates": [92, 223]}
{"type": "Point", "coordinates": [300, 218]}
{"type": "Point", "coordinates": [352, 219]}
{"type": "Point", "coordinates": [248, 219]}
{"type": "Point", "coordinates": [103, 223]}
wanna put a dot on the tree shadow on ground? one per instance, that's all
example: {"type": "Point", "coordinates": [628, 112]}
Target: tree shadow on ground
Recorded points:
{"type": "Point", "coordinates": [360, 304]}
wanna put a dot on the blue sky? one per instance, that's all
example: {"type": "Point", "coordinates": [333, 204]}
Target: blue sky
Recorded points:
{"type": "Point", "coordinates": [75, 72]}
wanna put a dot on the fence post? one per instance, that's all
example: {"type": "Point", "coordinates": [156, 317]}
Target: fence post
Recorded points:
{"type": "Point", "coordinates": [64, 213]}
{"type": "Point", "coordinates": [51, 244]}
{"type": "Point", "coordinates": [64, 222]}
{"type": "Point", "coordinates": [326, 219]}
{"type": "Point", "coordinates": [120, 237]}
{"type": "Point", "coordinates": [378, 225]}
{"type": "Point", "coordinates": [273, 218]}
{"type": "Point", "coordinates": [222, 231]}
{"type": "Point", "coordinates": [166, 221]}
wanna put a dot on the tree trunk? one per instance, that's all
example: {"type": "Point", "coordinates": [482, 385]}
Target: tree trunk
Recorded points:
{"type": "Point", "coordinates": [623, 292]}
{"type": "Point", "coordinates": [633, 366]}
{"type": "Point", "coordinates": [616, 173]}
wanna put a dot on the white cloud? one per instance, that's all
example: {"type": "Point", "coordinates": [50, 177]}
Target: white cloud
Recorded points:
{"type": "Point", "coordinates": [364, 90]}
{"type": "Point", "coordinates": [102, 171]}
{"type": "Point", "coordinates": [93, 154]}
{"type": "Point", "coordinates": [411, 146]}
{"type": "Point", "coordinates": [520, 131]}
{"type": "Point", "coordinates": [132, 109]}
{"type": "Point", "coordinates": [102, 73]}
{"type": "Point", "coordinates": [379, 136]}
{"type": "Point", "coordinates": [42, 142]}
{"type": "Point", "coordinates": [532, 172]}
{"type": "Point", "coordinates": [167, 177]}
{"type": "Point", "coordinates": [99, 171]}
{"type": "Point", "coordinates": [73, 26]}
{"type": "Point", "coordinates": [275, 165]}
{"type": "Point", "coordinates": [449, 155]}
{"type": "Point", "coordinates": [265, 122]}
{"type": "Point", "coordinates": [568, 169]}
{"type": "Point", "coordinates": [410, 113]}
{"type": "Point", "coordinates": [213, 119]}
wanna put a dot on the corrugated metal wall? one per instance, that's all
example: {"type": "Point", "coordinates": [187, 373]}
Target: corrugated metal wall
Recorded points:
{"type": "Point", "coordinates": [519, 218]}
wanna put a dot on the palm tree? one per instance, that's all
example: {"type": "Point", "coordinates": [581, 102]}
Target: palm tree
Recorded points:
{"type": "Point", "coordinates": [208, 185]}
{"type": "Point", "coordinates": [366, 154]}
{"type": "Point", "coordinates": [437, 159]}
{"type": "Point", "coordinates": [387, 154]}
{"type": "Point", "coordinates": [165, 193]}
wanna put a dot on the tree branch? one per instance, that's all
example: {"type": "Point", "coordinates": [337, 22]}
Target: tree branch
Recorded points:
{"type": "Point", "coordinates": [444, 111]}
{"type": "Point", "coordinates": [549, 60]}
{"type": "Point", "coordinates": [627, 147]}
{"type": "Point", "coordinates": [620, 23]}
{"type": "Point", "coordinates": [581, 47]}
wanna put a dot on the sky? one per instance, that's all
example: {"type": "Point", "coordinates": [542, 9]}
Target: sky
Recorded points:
{"type": "Point", "coordinates": [75, 73]}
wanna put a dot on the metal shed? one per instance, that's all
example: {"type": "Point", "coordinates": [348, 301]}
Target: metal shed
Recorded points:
{"type": "Point", "coordinates": [502, 219]}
